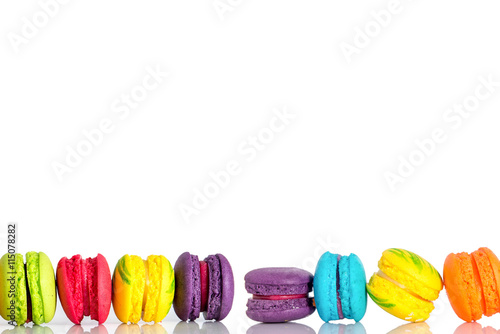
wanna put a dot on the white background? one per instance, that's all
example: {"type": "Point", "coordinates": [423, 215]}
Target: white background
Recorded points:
{"type": "Point", "coordinates": [319, 185]}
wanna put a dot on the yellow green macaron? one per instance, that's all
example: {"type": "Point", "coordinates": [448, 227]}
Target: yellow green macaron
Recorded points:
{"type": "Point", "coordinates": [406, 285]}
{"type": "Point", "coordinates": [17, 278]}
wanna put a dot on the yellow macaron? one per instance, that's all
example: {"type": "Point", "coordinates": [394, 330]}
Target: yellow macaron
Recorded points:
{"type": "Point", "coordinates": [405, 285]}
{"type": "Point", "coordinates": [143, 288]}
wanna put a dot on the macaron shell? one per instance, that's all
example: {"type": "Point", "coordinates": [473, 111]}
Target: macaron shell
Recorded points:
{"type": "Point", "coordinates": [104, 292]}
{"type": "Point", "coordinates": [66, 284]}
{"type": "Point", "coordinates": [272, 311]}
{"type": "Point", "coordinates": [357, 289]}
{"type": "Point", "coordinates": [397, 301]}
{"type": "Point", "coordinates": [167, 289]}
{"type": "Point", "coordinates": [325, 287]}
{"type": "Point", "coordinates": [20, 285]}
{"type": "Point", "coordinates": [412, 271]}
{"type": "Point", "coordinates": [159, 288]}
{"type": "Point", "coordinates": [42, 287]}
{"type": "Point", "coordinates": [122, 288]}
{"type": "Point", "coordinates": [187, 299]}
{"type": "Point", "coordinates": [461, 281]}
{"type": "Point", "coordinates": [227, 287]}
{"type": "Point", "coordinates": [214, 288]}
{"type": "Point", "coordinates": [278, 281]}
{"type": "Point", "coordinates": [488, 282]}
{"type": "Point", "coordinates": [495, 264]}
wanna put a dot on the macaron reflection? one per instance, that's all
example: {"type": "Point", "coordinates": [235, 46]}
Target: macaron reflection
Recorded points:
{"type": "Point", "coordinates": [414, 328]}
{"type": "Point", "coordinates": [279, 328]}
{"type": "Point", "coordinates": [329, 328]}
{"type": "Point", "coordinates": [136, 329]}
{"type": "Point", "coordinates": [475, 328]}
{"type": "Point", "coordinates": [77, 329]}
{"type": "Point", "coordinates": [207, 328]}
{"type": "Point", "coordinates": [29, 330]}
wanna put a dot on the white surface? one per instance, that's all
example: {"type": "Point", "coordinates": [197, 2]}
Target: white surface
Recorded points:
{"type": "Point", "coordinates": [320, 181]}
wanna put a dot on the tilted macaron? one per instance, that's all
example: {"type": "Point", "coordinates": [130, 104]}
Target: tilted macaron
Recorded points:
{"type": "Point", "coordinates": [84, 287]}
{"type": "Point", "coordinates": [340, 287]}
{"type": "Point", "coordinates": [279, 294]}
{"type": "Point", "coordinates": [472, 283]}
{"type": "Point", "coordinates": [203, 286]}
{"type": "Point", "coordinates": [143, 288]}
{"type": "Point", "coordinates": [405, 285]}
{"type": "Point", "coordinates": [35, 288]}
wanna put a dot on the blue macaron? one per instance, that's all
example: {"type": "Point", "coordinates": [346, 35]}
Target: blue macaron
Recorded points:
{"type": "Point", "coordinates": [340, 287]}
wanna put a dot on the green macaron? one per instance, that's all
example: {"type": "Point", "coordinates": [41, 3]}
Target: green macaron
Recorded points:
{"type": "Point", "coordinates": [27, 290]}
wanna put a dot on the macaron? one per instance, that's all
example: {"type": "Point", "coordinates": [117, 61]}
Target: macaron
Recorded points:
{"type": "Point", "coordinates": [472, 283]}
{"type": "Point", "coordinates": [279, 294]}
{"type": "Point", "coordinates": [34, 285]}
{"type": "Point", "coordinates": [84, 287]}
{"type": "Point", "coordinates": [203, 286]}
{"type": "Point", "coordinates": [142, 288]}
{"type": "Point", "coordinates": [405, 286]}
{"type": "Point", "coordinates": [340, 287]}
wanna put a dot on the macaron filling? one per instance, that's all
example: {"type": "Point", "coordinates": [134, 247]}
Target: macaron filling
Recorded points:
{"type": "Point", "coordinates": [279, 297]}
{"type": "Point", "coordinates": [339, 299]}
{"type": "Point", "coordinates": [29, 312]}
{"type": "Point", "coordinates": [204, 285]}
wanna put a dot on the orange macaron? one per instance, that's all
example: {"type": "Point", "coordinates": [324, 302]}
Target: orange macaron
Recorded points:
{"type": "Point", "coordinates": [472, 283]}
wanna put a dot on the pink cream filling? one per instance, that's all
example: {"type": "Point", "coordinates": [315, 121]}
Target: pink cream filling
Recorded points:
{"type": "Point", "coordinates": [279, 297]}
{"type": "Point", "coordinates": [339, 302]}
{"type": "Point", "coordinates": [204, 285]}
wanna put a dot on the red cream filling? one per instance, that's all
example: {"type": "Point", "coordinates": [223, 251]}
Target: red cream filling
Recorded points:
{"type": "Point", "coordinates": [279, 297]}
{"type": "Point", "coordinates": [204, 285]}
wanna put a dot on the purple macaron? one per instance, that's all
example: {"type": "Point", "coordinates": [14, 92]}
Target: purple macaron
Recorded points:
{"type": "Point", "coordinates": [279, 294]}
{"type": "Point", "coordinates": [203, 286]}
